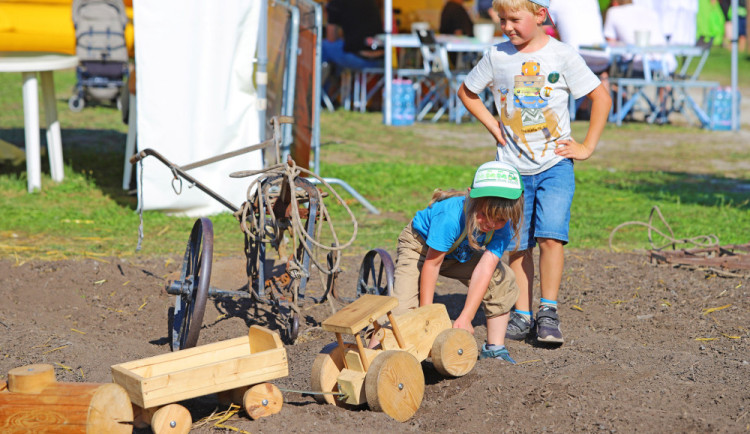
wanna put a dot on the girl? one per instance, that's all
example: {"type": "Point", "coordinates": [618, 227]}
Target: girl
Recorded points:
{"type": "Point", "coordinates": [462, 236]}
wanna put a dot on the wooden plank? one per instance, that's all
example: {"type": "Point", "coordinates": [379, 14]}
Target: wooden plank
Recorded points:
{"type": "Point", "coordinates": [262, 339]}
{"type": "Point", "coordinates": [353, 359]}
{"type": "Point", "coordinates": [216, 377]}
{"type": "Point", "coordinates": [419, 327]}
{"type": "Point", "coordinates": [352, 384]}
{"type": "Point", "coordinates": [359, 314]}
{"type": "Point", "coordinates": [189, 358]}
{"type": "Point", "coordinates": [130, 382]}
{"type": "Point", "coordinates": [185, 354]}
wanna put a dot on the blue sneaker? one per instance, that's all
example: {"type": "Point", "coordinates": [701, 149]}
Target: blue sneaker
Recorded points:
{"type": "Point", "coordinates": [548, 326]}
{"type": "Point", "coordinates": [518, 327]}
{"type": "Point", "coordinates": [502, 353]}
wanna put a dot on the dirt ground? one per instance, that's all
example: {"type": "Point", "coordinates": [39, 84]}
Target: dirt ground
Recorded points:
{"type": "Point", "coordinates": [645, 348]}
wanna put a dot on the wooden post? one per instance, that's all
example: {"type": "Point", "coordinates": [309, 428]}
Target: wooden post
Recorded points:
{"type": "Point", "coordinates": [340, 341]}
{"type": "Point", "coordinates": [396, 332]}
{"type": "Point", "coordinates": [30, 379]}
{"type": "Point", "coordinates": [362, 355]}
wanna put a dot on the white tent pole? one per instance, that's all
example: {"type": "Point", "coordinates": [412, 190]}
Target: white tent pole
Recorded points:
{"type": "Point", "coordinates": [261, 76]}
{"type": "Point", "coordinates": [735, 101]}
{"type": "Point", "coordinates": [388, 27]}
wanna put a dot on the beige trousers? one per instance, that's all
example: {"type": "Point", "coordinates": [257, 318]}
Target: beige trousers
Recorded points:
{"type": "Point", "coordinates": [501, 294]}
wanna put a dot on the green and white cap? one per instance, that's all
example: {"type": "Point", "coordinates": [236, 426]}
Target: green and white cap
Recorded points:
{"type": "Point", "coordinates": [497, 179]}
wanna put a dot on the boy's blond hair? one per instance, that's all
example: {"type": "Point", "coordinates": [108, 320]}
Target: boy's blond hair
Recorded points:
{"type": "Point", "coordinates": [515, 5]}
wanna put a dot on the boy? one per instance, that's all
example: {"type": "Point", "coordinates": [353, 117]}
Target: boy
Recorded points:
{"type": "Point", "coordinates": [532, 77]}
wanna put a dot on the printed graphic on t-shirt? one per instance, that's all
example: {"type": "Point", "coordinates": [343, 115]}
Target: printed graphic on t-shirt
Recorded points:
{"type": "Point", "coordinates": [463, 252]}
{"type": "Point", "coordinates": [531, 114]}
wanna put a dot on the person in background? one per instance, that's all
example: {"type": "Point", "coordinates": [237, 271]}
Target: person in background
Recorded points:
{"type": "Point", "coordinates": [349, 31]}
{"type": "Point", "coordinates": [532, 77]}
{"type": "Point", "coordinates": [462, 235]}
{"type": "Point", "coordinates": [455, 20]}
{"type": "Point", "coordinates": [679, 21]}
{"type": "Point", "coordinates": [579, 24]}
{"type": "Point", "coordinates": [485, 11]}
{"type": "Point", "coordinates": [624, 20]}
{"type": "Point", "coordinates": [741, 24]}
{"type": "Point", "coordinates": [711, 23]}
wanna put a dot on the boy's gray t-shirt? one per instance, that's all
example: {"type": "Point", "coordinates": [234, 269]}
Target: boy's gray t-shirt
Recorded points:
{"type": "Point", "coordinates": [531, 92]}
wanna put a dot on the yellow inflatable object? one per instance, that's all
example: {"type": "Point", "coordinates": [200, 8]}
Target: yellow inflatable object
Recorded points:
{"type": "Point", "coordinates": [45, 25]}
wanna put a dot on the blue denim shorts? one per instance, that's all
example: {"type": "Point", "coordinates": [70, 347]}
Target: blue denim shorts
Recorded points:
{"type": "Point", "coordinates": [547, 199]}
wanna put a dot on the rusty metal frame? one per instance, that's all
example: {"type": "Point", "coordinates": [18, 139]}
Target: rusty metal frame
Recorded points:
{"type": "Point", "coordinates": [732, 260]}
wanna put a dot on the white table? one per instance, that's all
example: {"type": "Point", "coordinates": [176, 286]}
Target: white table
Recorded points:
{"type": "Point", "coordinates": [688, 51]}
{"type": "Point", "coordinates": [452, 43]}
{"type": "Point", "coordinates": [28, 64]}
{"type": "Point", "coordinates": [680, 82]}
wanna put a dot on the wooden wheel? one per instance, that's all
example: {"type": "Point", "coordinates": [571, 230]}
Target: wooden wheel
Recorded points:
{"type": "Point", "coordinates": [172, 419]}
{"type": "Point", "coordinates": [192, 288]}
{"type": "Point", "coordinates": [325, 371]}
{"type": "Point", "coordinates": [454, 352]}
{"type": "Point", "coordinates": [395, 384]}
{"type": "Point", "coordinates": [262, 400]}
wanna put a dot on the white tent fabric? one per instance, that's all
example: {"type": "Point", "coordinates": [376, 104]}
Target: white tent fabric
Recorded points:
{"type": "Point", "coordinates": [196, 98]}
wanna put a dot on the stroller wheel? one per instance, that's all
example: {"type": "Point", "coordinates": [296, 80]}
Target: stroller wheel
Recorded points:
{"type": "Point", "coordinates": [76, 103]}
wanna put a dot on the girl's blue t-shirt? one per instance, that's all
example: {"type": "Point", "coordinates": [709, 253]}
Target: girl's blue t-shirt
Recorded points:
{"type": "Point", "coordinates": [442, 223]}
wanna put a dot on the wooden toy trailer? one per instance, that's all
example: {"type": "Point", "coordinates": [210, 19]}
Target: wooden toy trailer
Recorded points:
{"type": "Point", "coordinates": [228, 366]}
{"type": "Point", "coordinates": [32, 401]}
{"type": "Point", "coordinates": [390, 378]}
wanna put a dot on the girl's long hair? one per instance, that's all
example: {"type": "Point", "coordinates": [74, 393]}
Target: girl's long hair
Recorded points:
{"type": "Point", "coordinates": [494, 208]}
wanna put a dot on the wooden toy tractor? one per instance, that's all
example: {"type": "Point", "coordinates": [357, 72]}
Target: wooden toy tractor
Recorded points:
{"type": "Point", "coordinates": [388, 378]}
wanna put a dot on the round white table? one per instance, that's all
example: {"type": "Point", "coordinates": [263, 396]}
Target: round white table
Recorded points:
{"type": "Point", "coordinates": [28, 64]}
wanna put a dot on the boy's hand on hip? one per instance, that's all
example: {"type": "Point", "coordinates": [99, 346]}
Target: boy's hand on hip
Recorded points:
{"type": "Point", "coordinates": [498, 133]}
{"type": "Point", "coordinates": [569, 148]}
{"type": "Point", "coordinates": [461, 323]}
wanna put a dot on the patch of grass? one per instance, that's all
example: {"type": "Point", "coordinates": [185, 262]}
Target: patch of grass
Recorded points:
{"type": "Point", "coordinates": [719, 67]}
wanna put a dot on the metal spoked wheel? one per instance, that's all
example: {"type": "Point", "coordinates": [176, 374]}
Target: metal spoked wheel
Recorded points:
{"type": "Point", "coordinates": [293, 327]}
{"type": "Point", "coordinates": [192, 288]}
{"type": "Point", "coordinates": [376, 274]}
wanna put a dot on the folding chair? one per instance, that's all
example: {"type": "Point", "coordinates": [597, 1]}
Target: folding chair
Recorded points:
{"type": "Point", "coordinates": [442, 83]}
{"type": "Point", "coordinates": [362, 95]}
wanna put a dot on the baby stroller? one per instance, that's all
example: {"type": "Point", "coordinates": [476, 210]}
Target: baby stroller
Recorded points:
{"type": "Point", "coordinates": [101, 50]}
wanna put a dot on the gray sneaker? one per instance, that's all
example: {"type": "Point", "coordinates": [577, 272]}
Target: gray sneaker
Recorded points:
{"type": "Point", "coordinates": [518, 327]}
{"type": "Point", "coordinates": [548, 326]}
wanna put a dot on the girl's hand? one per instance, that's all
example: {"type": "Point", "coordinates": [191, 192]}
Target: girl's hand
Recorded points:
{"type": "Point", "coordinates": [569, 148]}
{"type": "Point", "coordinates": [463, 324]}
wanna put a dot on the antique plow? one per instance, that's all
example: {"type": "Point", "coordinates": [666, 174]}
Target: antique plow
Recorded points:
{"type": "Point", "coordinates": [282, 211]}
